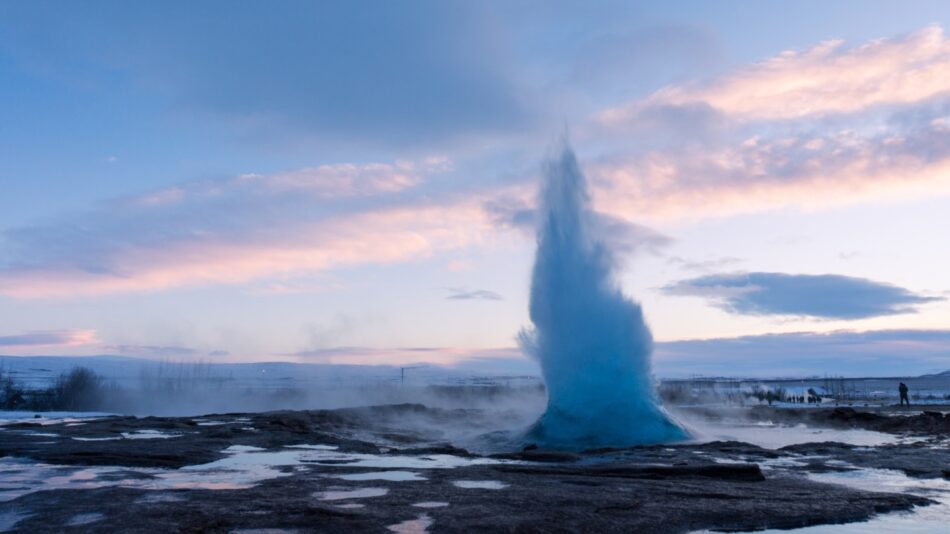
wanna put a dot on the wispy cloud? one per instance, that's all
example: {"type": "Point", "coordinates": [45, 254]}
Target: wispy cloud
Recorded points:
{"type": "Point", "coordinates": [702, 265]}
{"type": "Point", "coordinates": [826, 126]}
{"type": "Point", "coordinates": [241, 229]}
{"type": "Point", "coordinates": [456, 293]}
{"type": "Point", "coordinates": [813, 170]}
{"type": "Point", "coordinates": [819, 296]}
{"type": "Point", "coordinates": [445, 356]}
{"type": "Point", "coordinates": [828, 78]}
{"type": "Point", "coordinates": [49, 338]}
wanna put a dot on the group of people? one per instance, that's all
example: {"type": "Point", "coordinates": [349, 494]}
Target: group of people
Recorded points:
{"type": "Point", "coordinates": [802, 399]}
{"type": "Point", "coordinates": [813, 398]}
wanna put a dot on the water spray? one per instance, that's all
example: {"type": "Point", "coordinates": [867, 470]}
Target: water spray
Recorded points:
{"type": "Point", "coordinates": [591, 341]}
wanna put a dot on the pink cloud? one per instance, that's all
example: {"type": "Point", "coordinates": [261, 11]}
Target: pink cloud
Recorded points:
{"type": "Point", "coordinates": [442, 356]}
{"type": "Point", "coordinates": [757, 175]}
{"type": "Point", "coordinates": [383, 236]}
{"type": "Point", "coordinates": [39, 339]}
{"type": "Point", "coordinates": [349, 180]}
{"type": "Point", "coordinates": [821, 127]}
{"type": "Point", "coordinates": [323, 182]}
{"type": "Point", "coordinates": [827, 78]}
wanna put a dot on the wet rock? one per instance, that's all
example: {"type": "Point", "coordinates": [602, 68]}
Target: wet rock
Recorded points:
{"type": "Point", "coordinates": [443, 448]}
{"type": "Point", "coordinates": [823, 447]}
{"type": "Point", "coordinates": [289, 421]}
{"type": "Point", "coordinates": [539, 455]}
{"type": "Point", "coordinates": [570, 499]}
{"type": "Point", "coordinates": [929, 423]}
{"type": "Point", "coordinates": [731, 472]}
{"type": "Point", "coordinates": [666, 488]}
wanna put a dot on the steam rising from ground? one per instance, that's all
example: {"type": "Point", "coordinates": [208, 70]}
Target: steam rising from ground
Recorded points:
{"type": "Point", "coordinates": [591, 341]}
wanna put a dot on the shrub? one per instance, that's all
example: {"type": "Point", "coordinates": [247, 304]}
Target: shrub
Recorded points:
{"type": "Point", "coordinates": [81, 389]}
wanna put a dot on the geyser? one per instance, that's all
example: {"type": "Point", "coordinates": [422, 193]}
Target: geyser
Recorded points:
{"type": "Point", "coordinates": [591, 341]}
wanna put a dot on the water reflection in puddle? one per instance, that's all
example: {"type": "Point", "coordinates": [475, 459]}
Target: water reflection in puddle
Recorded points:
{"type": "Point", "coordinates": [430, 504]}
{"type": "Point", "coordinates": [479, 484]}
{"type": "Point", "coordinates": [243, 448]}
{"type": "Point", "coordinates": [358, 493]}
{"type": "Point", "coordinates": [49, 418]}
{"type": "Point", "coordinates": [242, 468]}
{"type": "Point", "coordinates": [772, 436]}
{"type": "Point", "coordinates": [391, 476]}
{"type": "Point", "coordinates": [412, 526]}
{"type": "Point", "coordinates": [931, 519]}
{"type": "Point", "coordinates": [148, 434]}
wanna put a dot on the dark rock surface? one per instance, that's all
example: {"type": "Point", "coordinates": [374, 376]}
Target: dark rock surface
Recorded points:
{"type": "Point", "coordinates": [911, 422]}
{"type": "Point", "coordinates": [571, 501]}
{"type": "Point", "coordinates": [673, 488]}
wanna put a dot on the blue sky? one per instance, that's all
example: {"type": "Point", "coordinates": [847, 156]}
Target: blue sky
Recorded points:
{"type": "Point", "coordinates": [343, 181]}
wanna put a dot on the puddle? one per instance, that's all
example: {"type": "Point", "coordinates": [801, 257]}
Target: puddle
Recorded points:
{"type": "Point", "coordinates": [479, 484]}
{"type": "Point", "coordinates": [242, 468]}
{"type": "Point", "coordinates": [243, 448]}
{"type": "Point", "coordinates": [41, 434]}
{"type": "Point", "coordinates": [97, 439]}
{"type": "Point", "coordinates": [922, 520]}
{"type": "Point", "coordinates": [48, 418]}
{"type": "Point", "coordinates": [413, 526]}
{"type": "Point", "coordinates": [391, 476]}
{"type": "Point", "coordinates": [728, 461]}
{"type": "Point", "coordinates": [430, 504]}
{"type": "Point", "coordinates": [149, 434]}
{"type": "Point", "coordinates": [774, 463]}
{"type": "Point", "coordinates": [772, 436]}
{"type": "Point", "coordinates": [359, 493]}
{"type": "Point", "coordinates": [433, 461]}
{"type": "Point", "coordinates": [350, 505]}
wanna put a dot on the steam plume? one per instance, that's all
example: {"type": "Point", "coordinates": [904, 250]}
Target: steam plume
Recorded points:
{"type": "Point", "coordinates": [591, 341]}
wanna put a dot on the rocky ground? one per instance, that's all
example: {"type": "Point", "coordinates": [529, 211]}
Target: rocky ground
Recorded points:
{"type": "Point", "coordinates": [379, 478]}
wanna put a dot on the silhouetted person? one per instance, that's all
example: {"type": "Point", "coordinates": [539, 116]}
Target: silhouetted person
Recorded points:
{"type": "Point", "coordinates": [903, 391]}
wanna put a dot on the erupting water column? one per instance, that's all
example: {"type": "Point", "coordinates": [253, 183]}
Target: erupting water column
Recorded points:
{"type": "Point", "coordinates": [591, 341]}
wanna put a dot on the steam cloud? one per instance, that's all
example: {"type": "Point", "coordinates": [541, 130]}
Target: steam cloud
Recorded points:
{"type": "Point", "coordinates": [591, 341]}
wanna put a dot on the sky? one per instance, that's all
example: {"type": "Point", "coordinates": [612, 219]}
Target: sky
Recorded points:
{"type": "Point", "coordinates": [355, 182]}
